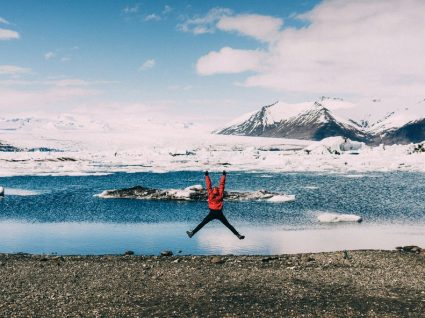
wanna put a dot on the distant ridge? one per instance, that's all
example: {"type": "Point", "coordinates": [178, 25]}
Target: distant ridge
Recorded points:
{"type": "Point", "coordinates": [314, 121]}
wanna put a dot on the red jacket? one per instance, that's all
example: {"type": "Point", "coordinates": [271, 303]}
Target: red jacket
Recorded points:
{"type": "Point", "coordinates": [215, 196]}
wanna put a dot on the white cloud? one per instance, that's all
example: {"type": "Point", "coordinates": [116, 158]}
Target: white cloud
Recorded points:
{"type": "Point", "coordinates": [152, 17]}
{"type": "Point", "coordinates": [263, 28]}
{"type": "Point", "coordinates": [148, 64]}
{"type": "Point", "coordinates": [204, 24]}
{"type": "Point", "coordinates": [13, 70]}
{"type": "Point", "coordinates": [131, 9]}
{"type": "Point", "coordinates": [62, 54]}
{"type": "Point", "coordinates": [229, 60]}
{"type": "Point", "coordinates": [3, 21]}
{"type": "Point", "coordinates": [347, 48]}
{"type": "Point", "coordinates": [49, 55]}
{"type": "Point", "coordinates": [167, 9]}
{"type": "Point", "coordinates": [6, 34]}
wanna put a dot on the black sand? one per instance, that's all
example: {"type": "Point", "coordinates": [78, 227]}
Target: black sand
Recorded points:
{"type": "Point", "coordinates": [363, 284]}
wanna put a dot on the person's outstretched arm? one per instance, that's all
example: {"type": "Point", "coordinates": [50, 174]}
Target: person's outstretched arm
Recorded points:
{"type": "Point", "coordinates": [208, 181]}
{"type": "Point", "coordinates": [222, 183]}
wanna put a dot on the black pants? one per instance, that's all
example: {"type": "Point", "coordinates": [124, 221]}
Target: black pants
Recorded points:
{"type": "Point", "coordinates": [215, 214]}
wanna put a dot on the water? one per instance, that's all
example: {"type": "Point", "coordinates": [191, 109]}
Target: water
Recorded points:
{"type": "Point", "coordinates": [48, 214]}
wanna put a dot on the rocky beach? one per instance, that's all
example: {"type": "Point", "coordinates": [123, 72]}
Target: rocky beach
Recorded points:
{"type": "Point", "coordinates": [366, 283]}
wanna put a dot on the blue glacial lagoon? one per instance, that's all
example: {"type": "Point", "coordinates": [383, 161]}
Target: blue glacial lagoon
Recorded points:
{"type": "Point", "coordinates": [61, 214]}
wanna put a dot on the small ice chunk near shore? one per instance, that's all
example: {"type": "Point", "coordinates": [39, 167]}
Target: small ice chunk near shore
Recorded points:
{"type": "Point", "coordinates": [335, 218]}
{"type": "Point", "coordinates": [282, 198]}
{"type": "Point", "coordinates": [184, 194]}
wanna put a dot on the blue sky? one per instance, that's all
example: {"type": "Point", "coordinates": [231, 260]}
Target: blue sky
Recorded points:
{"type": "Point", "coordinates": [214, 59]}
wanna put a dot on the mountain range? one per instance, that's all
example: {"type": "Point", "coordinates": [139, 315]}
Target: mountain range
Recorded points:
{"type": "Point", "coordinates": [315, 121]}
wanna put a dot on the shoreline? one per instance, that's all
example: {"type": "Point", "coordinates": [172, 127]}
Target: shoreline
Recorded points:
{"type": "Point", "coordinates": [359, 283]}
{"type": "Point", "coordinates": [343, 171]}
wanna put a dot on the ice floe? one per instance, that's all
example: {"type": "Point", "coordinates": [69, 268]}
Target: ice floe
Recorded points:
{"type": "Point", "coordinates": [21, 192]}
{"type": "Point", "coordinates": [328, 217]}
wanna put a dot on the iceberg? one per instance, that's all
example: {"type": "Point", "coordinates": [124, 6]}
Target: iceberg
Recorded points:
{"type": "Point", "coordinates": [336, 218]}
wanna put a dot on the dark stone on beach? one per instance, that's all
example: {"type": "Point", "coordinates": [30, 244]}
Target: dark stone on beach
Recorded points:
{"type": "Point", "coordinates": [311, 259]}
{"type": "Point", "coordinates": [217, 260]}
{"type": "Point", "coordinates": [346, 255]}
{"type": "Point", "coordinates": [410, 249]}
{"type": "Point", "coordinates": [166, 253]}
{"type": "Point", "coordinates": [129, 253]}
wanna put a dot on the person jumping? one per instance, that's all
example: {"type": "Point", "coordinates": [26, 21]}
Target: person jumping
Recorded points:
{"type": "Point", "coordinates": [215, 204]}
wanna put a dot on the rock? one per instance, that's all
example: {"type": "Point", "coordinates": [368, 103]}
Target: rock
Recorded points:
{"type": "Point", "coordinates": [268, 259]}
{"type": "Point", "coordinates": [166, 253]}
{"type": "Point", "coordinates": [128, 253]}
{"type": "Point", "coordinates": [1, 192]}
{"type": "Point", "coordinates": [192, 193]}
{"type": "Point", "coordinates": [311, 259]}
{"type": "Point", "coordinates": [410, 249]}
{"type": "Point", "coordinates": [346, 255]}
{"type": "Point", "coordinates": [217, 260]}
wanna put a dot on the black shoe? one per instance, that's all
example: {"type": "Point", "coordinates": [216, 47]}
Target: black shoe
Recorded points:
{"type": "Point", "coordinates": [241, 237]}
{"type": "Point", "coordinates": [189, 233]}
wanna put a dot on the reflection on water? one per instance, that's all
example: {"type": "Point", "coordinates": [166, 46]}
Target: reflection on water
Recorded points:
{"type": "Point", "coordinates": [47, 214]}
{"type": "Point", "coordinates": [150, 239]}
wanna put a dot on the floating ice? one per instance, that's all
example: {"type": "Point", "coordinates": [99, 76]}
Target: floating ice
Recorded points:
{"type": "Point", "coordinates": [334, 145]}
{"type": "Point", "coordinates": [282, 198]}
{"type": "Point", "coordinates": [335, 218]}
{"type": "Point", "coordinates": [21, 192]}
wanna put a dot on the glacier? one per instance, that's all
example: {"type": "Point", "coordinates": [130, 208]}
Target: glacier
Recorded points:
{"type": "Point", "coordinates": [73, 146]}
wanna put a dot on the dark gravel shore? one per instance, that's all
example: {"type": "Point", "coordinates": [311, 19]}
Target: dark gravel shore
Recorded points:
{"type": "Point", "coordinates": [337, 284]}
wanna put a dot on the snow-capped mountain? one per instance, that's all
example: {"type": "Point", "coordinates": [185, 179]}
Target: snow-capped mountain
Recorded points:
{"type": "Point", "coordinates": [314, 121]}
{"type": "Point", "coordinates": [63, 122]}
{"type": "Point", "coordinates": [301, 121]}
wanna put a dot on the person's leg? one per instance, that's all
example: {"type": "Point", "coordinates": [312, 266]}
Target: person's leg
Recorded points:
{"type": "Point", "coordinates": [207, 219]}
{"type": "Point", "coordinates": [223, 220]}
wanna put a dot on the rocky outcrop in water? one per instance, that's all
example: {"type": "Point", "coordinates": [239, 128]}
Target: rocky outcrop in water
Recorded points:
{"type": "Point", "coordinates": [192, 193]}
